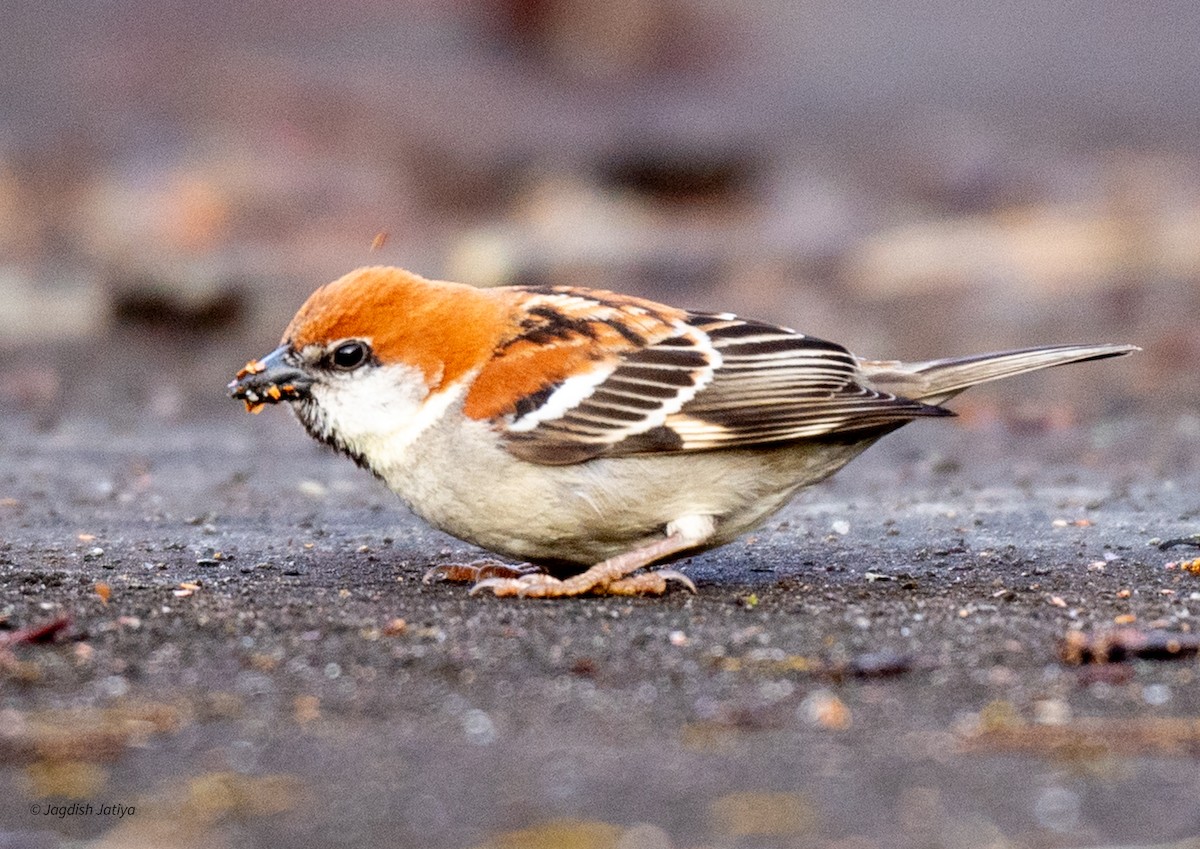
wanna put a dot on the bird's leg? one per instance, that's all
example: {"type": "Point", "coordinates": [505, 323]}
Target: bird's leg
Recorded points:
{"type": "Point", "coordinates": [612, 576]}
{"type": "Point", "coordinates": [478, 570]}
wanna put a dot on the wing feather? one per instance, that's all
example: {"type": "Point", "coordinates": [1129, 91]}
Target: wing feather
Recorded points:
{"type": "Point", "coordinates": [697, 382]}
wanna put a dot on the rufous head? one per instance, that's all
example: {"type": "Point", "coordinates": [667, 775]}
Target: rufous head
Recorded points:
{"type": "Point", "coordinates": [365, 352]}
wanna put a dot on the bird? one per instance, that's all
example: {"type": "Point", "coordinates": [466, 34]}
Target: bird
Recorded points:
{"type": "Point", "coordinates": [588, 434]}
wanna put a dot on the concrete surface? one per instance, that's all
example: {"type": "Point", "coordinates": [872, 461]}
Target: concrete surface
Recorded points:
{"type": "Point", "coordinates": [252, 660]}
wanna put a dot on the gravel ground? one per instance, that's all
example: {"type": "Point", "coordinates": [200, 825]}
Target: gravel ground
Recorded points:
{"type": "Point", "coordinates": [251, 658]}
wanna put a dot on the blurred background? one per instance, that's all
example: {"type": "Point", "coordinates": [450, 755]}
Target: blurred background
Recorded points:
{"type": "Point", "coordinates": [913, 179]}
{"type": "Point", "coordinates": [917, 179]}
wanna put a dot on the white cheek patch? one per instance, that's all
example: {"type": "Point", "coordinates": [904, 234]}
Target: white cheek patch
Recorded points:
{"type": "Point", "coordinates": [377, 415]}
{"type": "Point", "coordinates": [360, 405]}
{"type": "Point", "coordinates": [430, 412]}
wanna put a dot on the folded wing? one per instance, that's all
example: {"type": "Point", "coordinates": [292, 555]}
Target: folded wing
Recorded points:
{"type": "Point", "coordinates": [701, 382]}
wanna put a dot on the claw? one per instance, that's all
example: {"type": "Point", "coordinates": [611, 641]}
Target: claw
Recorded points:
{"type": "Point", "coordinates": [678, 577]}
{"type": "Point", "coordinates": [437, 573]}
{"type": "Point", "coordinates": [648, 583]}
{"type": "Point", "coordinates": [500, 587]}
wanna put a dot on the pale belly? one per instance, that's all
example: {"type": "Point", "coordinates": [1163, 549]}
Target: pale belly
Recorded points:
{"type": "Point", "coordinates": [590, 511]}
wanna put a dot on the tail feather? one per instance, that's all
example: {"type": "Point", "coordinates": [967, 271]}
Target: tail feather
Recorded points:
{"type": "Point", "coordinates": [936, 381]}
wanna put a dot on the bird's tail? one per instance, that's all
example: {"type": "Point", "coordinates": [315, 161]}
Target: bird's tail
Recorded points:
{"type": "Point", "coordinates": [936, 381]}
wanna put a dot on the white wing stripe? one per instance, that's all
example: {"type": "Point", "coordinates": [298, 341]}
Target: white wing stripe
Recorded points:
{"type": "Point", "coordinates": [573, 391]}
{"type": "Point", "coordinates": [719, 381]}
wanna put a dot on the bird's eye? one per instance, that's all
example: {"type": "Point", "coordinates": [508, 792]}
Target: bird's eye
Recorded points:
{"type": "Point", "coordinates": [350, 355]}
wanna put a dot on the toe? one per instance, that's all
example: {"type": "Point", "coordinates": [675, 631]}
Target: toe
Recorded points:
{"type": "Point", "coordinates": [453, 572]}
{"type": "Point", "coordinates": [648, 583]}
{"type": "Point", "coordinates": [500, 587]}
{"type": "Point", "coordinates": [530, 585]}
{"type": "Point", "coordinates": [459, 573]}
{"type": "Point", "coordinates": [495, 569]}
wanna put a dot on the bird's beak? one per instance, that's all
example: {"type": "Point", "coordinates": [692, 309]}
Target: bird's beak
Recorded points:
{"type": "Point", "coordinates": [269, 381]}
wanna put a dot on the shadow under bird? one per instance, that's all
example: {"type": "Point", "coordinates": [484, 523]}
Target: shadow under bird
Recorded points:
{"type": "Point", "coordinates": [588, 432]}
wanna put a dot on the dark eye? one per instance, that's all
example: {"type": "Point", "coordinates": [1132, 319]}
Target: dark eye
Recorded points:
{"type": "Point", "coordinates": [350, 355]}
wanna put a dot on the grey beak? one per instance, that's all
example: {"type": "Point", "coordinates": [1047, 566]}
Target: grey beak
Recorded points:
{"type": "Point", "coordinates": [270, 380]}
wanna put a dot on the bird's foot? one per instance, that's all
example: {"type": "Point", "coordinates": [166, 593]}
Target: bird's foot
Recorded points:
{"type": "Point", "coordinates": [478, 570]}
{"type": "Point", "coordinates": [614, 576]}
{"type": "Point", "coordinates": [540, 585]}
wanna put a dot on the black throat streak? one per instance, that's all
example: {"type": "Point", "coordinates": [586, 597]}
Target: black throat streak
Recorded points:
{"type": "Point", "coordinates": [313, 419]}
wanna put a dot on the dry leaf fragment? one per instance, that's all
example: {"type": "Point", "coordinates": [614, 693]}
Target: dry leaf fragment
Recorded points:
{"type": "Point", "coordinates": [827, 710]}
{"type": "Point", "coordinates": [749, 814]}
{"type": "Point", "coordinates": [1133, 736]}
{"type": "Point", "coordinates": [306, 709]}
{"type": "Point", "coordinates": [67, 779]}
{"type": "Point", "coordinates": [186, 589]}
{"type": "Point", "coordinates": [557, 834]}
{"type": "Point", "coordinates": [44, 633]}
{"type": "Point", "coordinates": [1193, 540]}
{"type": "Point", "coordinates": [1192, 566]}
{"type": "Point", "coordinates": [1128, 644]}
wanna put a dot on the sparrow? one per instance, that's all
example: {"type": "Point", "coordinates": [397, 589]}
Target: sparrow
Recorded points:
{"type": "Point", "coordinates": [589, 432]}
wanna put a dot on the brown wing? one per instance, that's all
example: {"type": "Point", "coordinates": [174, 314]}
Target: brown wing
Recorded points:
{"type": "Point", "coordinates": [775, 385]}
{"type": "Point", "coordinates": [697, 382]}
